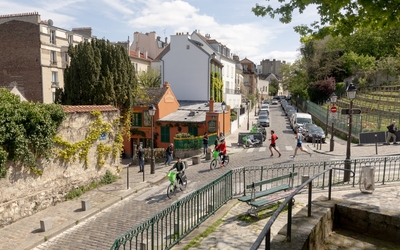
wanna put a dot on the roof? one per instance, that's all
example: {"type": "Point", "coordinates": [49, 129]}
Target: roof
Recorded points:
{"type": "Point", "coordinates": [88, 108]}
{"type": "Point", "coordinates": [151, 96]}
{"type": "Point", "coordinates": [133, 53]}
{"type": "Point", "coordinates": [246, 61]}
{"type": "Point", "coordinates": [162, 53]}
{"type": "Point", "coordinates": [193, 116]}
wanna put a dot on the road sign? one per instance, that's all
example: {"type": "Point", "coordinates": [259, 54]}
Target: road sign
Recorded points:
{"type": "Point", "coordinates": [333, 109]}
{"type": "Point", "coordinates": [354, 111]}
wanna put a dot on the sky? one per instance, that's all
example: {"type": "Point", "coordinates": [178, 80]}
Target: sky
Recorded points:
{"type": "Point", "coordinates": [230, 22]}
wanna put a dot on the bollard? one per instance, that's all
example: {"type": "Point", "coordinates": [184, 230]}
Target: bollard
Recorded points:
{"type": "Point", "coordinates": [85, 204]}
{"type": "Point", "coordinates": [45, 224]}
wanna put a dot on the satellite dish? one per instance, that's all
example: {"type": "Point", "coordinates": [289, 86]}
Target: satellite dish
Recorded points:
{"type": "Point", "coordinates": [50, 22]}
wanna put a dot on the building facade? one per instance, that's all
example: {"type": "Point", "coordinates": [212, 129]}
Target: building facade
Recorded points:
{"type": "Point", "coordinates": [34, 54]}
{"type": "Point", "coordinates": [271, 66]}
{"type": "Point", "coordinates": [250, 78]}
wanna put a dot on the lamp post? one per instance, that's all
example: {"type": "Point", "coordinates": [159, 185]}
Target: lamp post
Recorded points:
{"type": "Point", "coordinates": [248, 119]}
{"type": "Point", "coordinates": [152, 111]}
{"type": "Point", "coordinates": [223, 106]}
{"type": "Point", "coordinates": [351, 94]}
{"type": "Point", "coordinates": [332, 144]}
{"type": "Point", "coordinates": [327, 116]}
{"type": "Point", "coordinates": [297, 102]}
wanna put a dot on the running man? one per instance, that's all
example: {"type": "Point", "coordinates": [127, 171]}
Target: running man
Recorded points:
{"type": "Point", "coordinates": [272, 145]}
{"type": "Point", "coordinates": [299, 138]}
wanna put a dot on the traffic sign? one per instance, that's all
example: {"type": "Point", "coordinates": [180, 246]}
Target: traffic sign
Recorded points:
{"type": "Point", "coordinates": [354, 111]}
{"type": "Point", "coordinates": [333, 109]}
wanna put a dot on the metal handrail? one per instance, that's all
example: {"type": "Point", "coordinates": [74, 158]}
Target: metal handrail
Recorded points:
{"type": "Point", "coordinates": [266, 232]}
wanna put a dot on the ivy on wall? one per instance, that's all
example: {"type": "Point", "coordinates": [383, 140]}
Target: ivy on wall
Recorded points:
{"type": "Point", "coordinates": [26, 131]}
{"type": "Point", "coordinates": [216, 87]}
{"type": "Point", "coordinates": [80, 150]}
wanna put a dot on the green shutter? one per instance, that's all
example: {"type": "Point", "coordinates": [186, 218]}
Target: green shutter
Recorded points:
{"type": "Point", "coordinates": [137, 120]}
{"type": "Point", "coordinates": [193, 130]}
{"type": "Point", "coordinates": [165, 134]}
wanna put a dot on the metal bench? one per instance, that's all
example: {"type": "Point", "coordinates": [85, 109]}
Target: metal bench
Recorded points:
{"type": "Point", "coordinates": [270, 195]}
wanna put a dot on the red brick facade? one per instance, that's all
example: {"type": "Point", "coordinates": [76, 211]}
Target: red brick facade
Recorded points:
{"type": "Point", "coordinates": [20, 58]}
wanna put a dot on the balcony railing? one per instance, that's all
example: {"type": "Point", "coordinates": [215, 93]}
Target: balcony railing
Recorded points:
{"type": "Point", "coordinates": [232, 91]}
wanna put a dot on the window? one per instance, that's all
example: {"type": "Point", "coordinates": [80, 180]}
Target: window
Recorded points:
{"type": "Point", "coordinates": [193, 130]}
{"type": "Point", "coordinates": [54, 79]}
{"type": "Point", "coordinates": [70, 39]}
{"type": "Point", "coordinates": [53, 57]}
{"type": "Point", "coordinates": [137, 119]}
{"type": "Point", "coordinates": [52, 36]}
{"type": "Point", "coordinates": [66, 57]}
{"type": "Point", "coordinates": [165, 134]}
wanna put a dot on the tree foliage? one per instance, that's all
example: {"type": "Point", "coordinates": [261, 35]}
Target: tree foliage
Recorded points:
{"type": "Point", "coordinates": [149, 79]}
{"type": "Point", "coordinates": [100, 73]}
{"type": "Point", "coordinates": [337, 17]}
{"type": "Point", "coordinates": [26, 130]}
{"type": "Point", "coordinates": [273, 87]}
{"type": "Point", "coordinates": [320, 90]}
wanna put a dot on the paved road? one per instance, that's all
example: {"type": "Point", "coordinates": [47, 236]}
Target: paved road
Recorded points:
{"type": "Point", "coordinates": [100, 231]}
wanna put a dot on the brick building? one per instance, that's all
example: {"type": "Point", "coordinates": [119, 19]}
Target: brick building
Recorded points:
{"type": "Point", "coordinates": [34, 54]}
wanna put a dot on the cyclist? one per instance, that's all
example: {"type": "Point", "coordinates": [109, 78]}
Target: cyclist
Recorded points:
{"type": "Point", "coordinates": [180, 167]}
{"type": "Point", "coordinates": [222, 149]}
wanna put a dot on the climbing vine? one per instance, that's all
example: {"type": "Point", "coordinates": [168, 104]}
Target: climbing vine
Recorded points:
{"type": "Point", "coordinates": [26, 131]}
{"type": "Point", "coordinates": [80, 150]}
{"type": "Point", "coordinates": [216, 87]}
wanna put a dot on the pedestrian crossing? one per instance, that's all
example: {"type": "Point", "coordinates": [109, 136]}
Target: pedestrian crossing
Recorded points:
{"type": "Point", "coordinates": [263, 149]}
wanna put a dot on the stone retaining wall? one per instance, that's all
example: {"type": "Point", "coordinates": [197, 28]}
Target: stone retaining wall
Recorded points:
{"type": "Point", "coordinates": [23, 193]}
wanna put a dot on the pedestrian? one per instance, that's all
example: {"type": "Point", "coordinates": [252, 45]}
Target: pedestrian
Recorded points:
{"type": "Point", "coordinates": [140, 155]}
{"type": "Point", "coordinates": [299, 144]}
{"type": "Point", "coordinates": [168, 154]}
{"type": "Point", "coordinates": [392, 129]}
{"type": "Point", "coordinates": [205, 143]}
{"type": "Point", "coordinates": [273, 139]}
{"type": "Point", "coordinates": [216, 142]}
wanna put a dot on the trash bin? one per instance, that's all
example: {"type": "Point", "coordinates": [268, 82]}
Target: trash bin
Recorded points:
{"type": "Point", "coordinates": [367, 177]}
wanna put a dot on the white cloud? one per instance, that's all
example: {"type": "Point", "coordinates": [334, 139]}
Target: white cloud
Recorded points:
{"type": "Point", "coordinates": [118, 6]}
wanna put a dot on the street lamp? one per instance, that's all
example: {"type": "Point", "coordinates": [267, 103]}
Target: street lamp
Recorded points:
{"type": "Point", "coordinates": [332, 144]}
{"type": "Point", "coordinates": [248, 119]}
{"type": "Point", "coordinates": [351, 94]}
{"type": "Point", "coordinates": [223, 106]}
{"type": "Point", "coordinates": [297, 102]}
{"type": "Point", "coordinates": [152, 112]}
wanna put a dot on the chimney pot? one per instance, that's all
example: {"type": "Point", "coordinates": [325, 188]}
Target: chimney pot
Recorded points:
{"type": "Point", "coordinates": [212, 105]}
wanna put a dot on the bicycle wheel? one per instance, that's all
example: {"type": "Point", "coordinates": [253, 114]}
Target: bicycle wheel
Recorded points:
{"type": "Point", "coordinates": [183, 185]}
{"type": "Point", "coordinates": [171, 191]}
{"type": "Point", "coordinates": [213, 164]}
{"type": "Point", "coordinates": [226, 160]}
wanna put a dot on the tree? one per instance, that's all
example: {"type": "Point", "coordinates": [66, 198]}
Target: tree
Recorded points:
{"type": "Point", "coordinates": [100, 73]}
{"type": "Point", "coordinates": [273, 87]}
{"type": "Point", "coordinates": [149, 79]}
{"type": "Point", "coordinates": [295, 78]}
{"type": "Point", "coordinates": [337, 17]}
{"type": "Point", "coordinates": [320, 90]}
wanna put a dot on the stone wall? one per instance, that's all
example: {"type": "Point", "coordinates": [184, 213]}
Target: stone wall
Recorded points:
{"type": "Point", "coordinates": [23, 193]}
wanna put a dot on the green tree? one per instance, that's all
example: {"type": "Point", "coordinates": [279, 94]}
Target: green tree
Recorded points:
{"type": "Point", "coordinates": [273, 87]}
{"type": "Point", "coordinates": [295, 78]}
{"type": "Point", "coordinates": [149, 79]}
{"type": "Point", "coordinates": [337, 17]}
{"type": "Point", "coordinates": [100, 73]}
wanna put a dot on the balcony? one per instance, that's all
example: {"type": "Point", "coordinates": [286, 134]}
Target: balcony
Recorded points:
{"type": "Point", "coordinates": [53, 63]}
{"type": "Point", "coordinates": [232, 91]}
{"type": "Point", "coordinates": [54, 85]}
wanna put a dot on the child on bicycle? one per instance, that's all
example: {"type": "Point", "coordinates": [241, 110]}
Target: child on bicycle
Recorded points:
{"type": "Point", "coordinates": [180, 167]}
{"type": "Point", "coordinates": [222, 149]}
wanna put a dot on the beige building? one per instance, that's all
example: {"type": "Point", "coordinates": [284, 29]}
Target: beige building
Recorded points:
{"type": "Point", "coordinates": [34, 54]}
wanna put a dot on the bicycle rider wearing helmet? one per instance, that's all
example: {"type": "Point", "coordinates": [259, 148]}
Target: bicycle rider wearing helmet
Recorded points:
{"type": "Point", "coordinates": [222, 149]}
{"type": "Point", "coordinates": [180, 167]}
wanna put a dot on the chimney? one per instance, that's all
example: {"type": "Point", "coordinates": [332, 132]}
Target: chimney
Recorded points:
{"type": "Point", "coordinates": [166, 40]}
{"type": "Point", "coordinates": [145, 54]}
{"type": "Point", "coordinates": [138, 52]}
{"type": "Point", "coordinates": [166, 85]}
{"type": "Point", "coordinates": [212, 105]}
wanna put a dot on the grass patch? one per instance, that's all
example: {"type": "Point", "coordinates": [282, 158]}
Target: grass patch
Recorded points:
{"type": "Point", "coordinates": [108, 178]}
{"type": "Point", "coordinates": [262, 214]}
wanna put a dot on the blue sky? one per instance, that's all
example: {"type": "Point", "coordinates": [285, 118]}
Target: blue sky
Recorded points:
{"type": "Point", "coordinates": [230, 22]}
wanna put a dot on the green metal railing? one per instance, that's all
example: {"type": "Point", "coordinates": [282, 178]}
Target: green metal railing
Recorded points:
{"type": "Point", "coordinates": [168, 227]}
{"type": "Point", "coordinates": [193, 142]}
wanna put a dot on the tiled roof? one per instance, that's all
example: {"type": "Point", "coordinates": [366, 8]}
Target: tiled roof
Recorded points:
{"type": "Point", "coordinates": [151, 96]}
{"type": "Point", "coordinates": [133, 53]}
{"type": "Point", "coordinates": [88, 108]}
{"type": "Point", "coordinates": [246, 61]}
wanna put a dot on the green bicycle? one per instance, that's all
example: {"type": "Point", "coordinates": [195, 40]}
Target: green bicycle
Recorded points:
{"type": "Point", "coordinates": [216, 161]}
{"type": "Point", "coordinates": [174, 185]}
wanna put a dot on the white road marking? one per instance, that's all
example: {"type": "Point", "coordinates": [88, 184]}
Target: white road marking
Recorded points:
{"type": "Point", "coordinates": [263, 149]}
{"type": "Point", "coordinates": [288, 148]}
{"type": "Point", "coordinates": [250, 150]}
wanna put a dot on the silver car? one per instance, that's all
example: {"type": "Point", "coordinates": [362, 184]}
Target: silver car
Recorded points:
{"type": "Point", "coordinates": [263, 120]}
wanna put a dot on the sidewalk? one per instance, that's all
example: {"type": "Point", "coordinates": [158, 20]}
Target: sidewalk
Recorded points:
{"type": "Point", "coordinates": [26, 233]}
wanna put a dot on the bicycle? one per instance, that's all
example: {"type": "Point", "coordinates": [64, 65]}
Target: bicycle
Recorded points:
{"type": "Point", "coordinates": [216, 161]}
{"type": "Point", "coordinates": [174, 185]}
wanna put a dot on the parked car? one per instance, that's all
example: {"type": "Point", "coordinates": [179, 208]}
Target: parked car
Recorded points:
{"type": "Point", "coordinates": [315, 132]}
{"type": "Point", "coordinates": [266, 101]}
{"type": "Point", "coordinates": [300, 119]}
{"type": "Point", "coordinates": [263, 120]}
{"type": "Point", "coordinates": [307, 126]}
{"type": "Point", "coordinates": [289, 108]}
{"type": "Point", "coordinates": [274, 102]}
{"type": "Point", "coordinates": [264, 107]}
{"type": "Point", "coordinates": [290, 115]}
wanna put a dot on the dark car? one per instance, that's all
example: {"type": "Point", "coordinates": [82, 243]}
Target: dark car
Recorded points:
{"type": "Point", "coordinates": [307, 126]}
{"type": "Point", "coordinates": [315, 132]}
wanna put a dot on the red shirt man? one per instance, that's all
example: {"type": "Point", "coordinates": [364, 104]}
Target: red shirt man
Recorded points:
{"type": "Point", "coordinates": [272, 145]}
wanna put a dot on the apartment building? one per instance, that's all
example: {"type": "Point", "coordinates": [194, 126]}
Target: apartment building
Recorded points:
{"type": "Point", "coordinates": [34, 54]}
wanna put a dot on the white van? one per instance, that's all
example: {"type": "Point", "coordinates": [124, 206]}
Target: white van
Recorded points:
{"type": "Point", "coordinates": [299, 119]}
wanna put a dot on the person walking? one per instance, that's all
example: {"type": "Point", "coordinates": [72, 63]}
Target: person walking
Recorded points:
{"type": "Point", "coordinates": [299, 144]}
{"type": "Point", "coordinates": [168, 154]}
{"type": "Point", "coordinates": [205, 143]}
{"type": "Point", "coordinates": [273, 144]}
{"type": "Point", "coordinates": [392, 129]}
{"type": "Point", "coordinates": [140, 155]}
